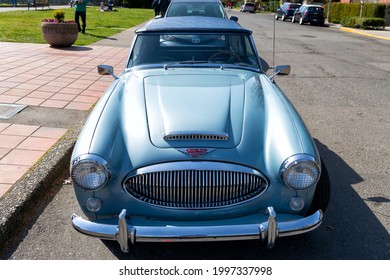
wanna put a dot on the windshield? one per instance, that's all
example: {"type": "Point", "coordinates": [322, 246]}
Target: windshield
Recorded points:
{"type": "Point", "coordinates": [191, 48]}
{"type": "Point", "coordinates": [196, 9]}
{"type": "Point", "coordinates": [315, 9]}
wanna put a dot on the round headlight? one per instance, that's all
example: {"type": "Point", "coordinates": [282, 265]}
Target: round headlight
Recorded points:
{"type": "Point", "coordinates": [90, 172]}
{"type": "Point", "coordinates": [300, 172]}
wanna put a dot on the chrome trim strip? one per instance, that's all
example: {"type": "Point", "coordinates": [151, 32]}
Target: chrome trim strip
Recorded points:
{"type": "Point", "coordinates": [194, 165]}
{"type": "Point", "coordinates": [266, 231]}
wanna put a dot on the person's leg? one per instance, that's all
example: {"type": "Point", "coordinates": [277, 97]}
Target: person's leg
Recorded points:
{"type": "Point", "coordinates": [77, 19]}
{"type": "Point", "coordinates": [84, 20]}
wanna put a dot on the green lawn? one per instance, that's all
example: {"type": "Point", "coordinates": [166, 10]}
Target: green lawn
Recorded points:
{"type": "Point", "coordinates": [25, 26]}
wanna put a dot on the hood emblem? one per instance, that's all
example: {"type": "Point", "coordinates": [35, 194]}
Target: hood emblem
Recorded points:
{"type": "Point", "coordinates": [195, 40]}
{"type": "Point", "coordinates": [196, 152]}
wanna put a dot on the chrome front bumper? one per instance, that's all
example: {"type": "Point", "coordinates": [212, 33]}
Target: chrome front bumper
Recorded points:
{"type": "Point", "coordinates": [126, 234]}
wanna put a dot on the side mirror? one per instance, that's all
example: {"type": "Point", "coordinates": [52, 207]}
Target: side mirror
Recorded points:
{"type": "Point", "coordinates": [106, 70]}
{"type": "Point", "coordinates": [234, 18]}
{"type": "Point", "coordinates": [282, 70]}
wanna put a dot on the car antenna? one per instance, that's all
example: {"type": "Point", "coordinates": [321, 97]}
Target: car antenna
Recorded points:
{"type": "Point", "coordinates": [273, 45]}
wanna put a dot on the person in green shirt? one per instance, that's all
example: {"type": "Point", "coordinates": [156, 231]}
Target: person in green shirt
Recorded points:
{"type": "Point", "coordinates": [80, 7]}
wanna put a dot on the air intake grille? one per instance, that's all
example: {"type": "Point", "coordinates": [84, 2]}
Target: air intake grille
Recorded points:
{"type": "Point", "coordinates": [195, 188]}
{"type": "Point", "coordinates": [196, 136]}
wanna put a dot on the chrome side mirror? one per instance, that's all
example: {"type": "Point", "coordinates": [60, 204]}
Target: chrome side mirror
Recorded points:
{"type": "Point", "coordinates": [106, 70]}
{"type": "Point", "coordinates": [282, 70]}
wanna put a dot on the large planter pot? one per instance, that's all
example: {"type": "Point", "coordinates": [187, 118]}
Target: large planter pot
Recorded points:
{"type": "Point", "coordinates": [60, 34]}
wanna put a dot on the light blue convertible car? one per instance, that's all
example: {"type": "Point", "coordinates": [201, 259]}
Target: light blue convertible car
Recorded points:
{"type": "Point", "coordinates": [193, 141]}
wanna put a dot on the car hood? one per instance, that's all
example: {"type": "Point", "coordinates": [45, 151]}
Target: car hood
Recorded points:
{"type": "Point", "coordinates": [154, 116]}
{"type": "Point", "coordinates": [194, 108]}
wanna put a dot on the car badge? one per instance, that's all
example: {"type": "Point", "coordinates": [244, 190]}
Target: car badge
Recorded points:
{"type": "Point", "coordinates": [195, 40]}
{"type": "Point", "coordinates": [196, 152]}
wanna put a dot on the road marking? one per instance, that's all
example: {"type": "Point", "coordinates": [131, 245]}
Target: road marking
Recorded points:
{"type": "Point", "coordinates": [363, 33]}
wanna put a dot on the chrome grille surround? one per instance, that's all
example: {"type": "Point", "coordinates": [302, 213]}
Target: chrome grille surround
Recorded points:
{"type": "Point", "coordinates": [195, 184]}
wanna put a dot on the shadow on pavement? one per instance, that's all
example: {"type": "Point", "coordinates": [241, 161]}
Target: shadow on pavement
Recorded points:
{"type": "Point", "coordinates": [350, 231]}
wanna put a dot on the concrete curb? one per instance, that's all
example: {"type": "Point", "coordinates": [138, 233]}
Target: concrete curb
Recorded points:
{"type": "Point", "coordinates": [39, 184]}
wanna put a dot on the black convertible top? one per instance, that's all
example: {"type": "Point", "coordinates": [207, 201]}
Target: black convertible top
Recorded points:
{"type": "Point", "coordinates": [193, 23]}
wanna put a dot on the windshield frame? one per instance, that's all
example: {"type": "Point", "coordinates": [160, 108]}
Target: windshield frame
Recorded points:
{"type": "Point", "coordinates": [176, 9]}
{"type": "Point", "coordinates": [139, 51]}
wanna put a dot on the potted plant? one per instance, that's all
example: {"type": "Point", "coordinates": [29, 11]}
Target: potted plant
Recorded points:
{"type": "Point", "coordinates": [58, 32]}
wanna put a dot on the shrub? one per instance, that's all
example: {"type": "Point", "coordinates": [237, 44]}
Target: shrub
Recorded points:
{"type": "Point", "coordinates": [371, 23]}
{"type": "Point", "coordinates": [340, 10]}
{"type": "Point", "coordinates": [363, 23]}
{"type": "Point", "coordinates": [349, 21]}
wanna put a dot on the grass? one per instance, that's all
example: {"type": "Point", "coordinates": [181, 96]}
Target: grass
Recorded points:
{"type": "Point", "coordinates": [25, 26]}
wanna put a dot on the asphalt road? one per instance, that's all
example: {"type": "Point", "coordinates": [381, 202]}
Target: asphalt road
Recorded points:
{"type": "Point", "coordinates": [340, 85]}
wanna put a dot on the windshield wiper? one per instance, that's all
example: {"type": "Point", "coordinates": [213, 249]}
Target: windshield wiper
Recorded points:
{"type": "Point", "coordinates": [193, 62]}
{"type": "Point", "coordinates": [187, 62]}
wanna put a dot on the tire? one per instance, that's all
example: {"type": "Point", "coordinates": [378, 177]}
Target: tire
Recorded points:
{"type": "Point", "coordinates": [301, 21]}
{"type": "Point", "coordinates": [276, 16]}
{"type": "Point", "coordinates": [322, 193]}
{"type": "Point", "coordinates": [292, 19]}
{"type": "Point", "coordinates": [283, 17]}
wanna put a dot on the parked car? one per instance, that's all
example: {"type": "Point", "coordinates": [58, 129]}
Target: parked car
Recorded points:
{"type": "Point", "coordinates": [312, 14]}
{"type": "Point", "coordinates": [209, 8]}
{"type": "Point", "coordinates": [286, 11]}
{"type": "Point", "coordinates": [194, 141]}
{"type": "Point", "coordinates": [248, 7]}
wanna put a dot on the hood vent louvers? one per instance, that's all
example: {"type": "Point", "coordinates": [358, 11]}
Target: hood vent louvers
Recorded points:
{"type": "Point", "coordinates": [180, 136]}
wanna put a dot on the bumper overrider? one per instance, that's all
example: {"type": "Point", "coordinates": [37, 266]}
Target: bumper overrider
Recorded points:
{"type": "Point", "coordinates": [126, 234]}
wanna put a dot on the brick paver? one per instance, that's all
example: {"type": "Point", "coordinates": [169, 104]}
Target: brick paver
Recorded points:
{"type": "Point", "coordinates": [42, 76]}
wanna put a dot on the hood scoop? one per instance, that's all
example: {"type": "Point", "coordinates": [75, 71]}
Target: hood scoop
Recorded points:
{"type": "Point", "coordinates": [195, 110]}
{"type": "Point", "coordinates": [193, 136]}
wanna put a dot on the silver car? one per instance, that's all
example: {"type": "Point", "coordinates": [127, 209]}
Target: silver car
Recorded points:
{"type": "Point", "coordinates": [193, 141]}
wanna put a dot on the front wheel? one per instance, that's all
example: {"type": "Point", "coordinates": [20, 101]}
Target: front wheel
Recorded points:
{"type": "Point", "coordinates": [301, 21]}
{"type": "Point", "coordinates": [283, 17]}
{"type": "Point", "coordinates": [322, 193]}
{"type": "Point", "coordinates": [293, 19]}
{"type": "Point", "coordinates": [276, 16]}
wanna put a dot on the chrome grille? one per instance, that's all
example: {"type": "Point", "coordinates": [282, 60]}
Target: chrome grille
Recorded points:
{"type": "Point", "coordinates": [191, 187]}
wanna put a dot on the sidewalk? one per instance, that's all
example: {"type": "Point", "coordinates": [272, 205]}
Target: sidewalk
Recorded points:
{"type": "Point", "coordinates": [44, 77]}
{"type": "Point", "coordinates": [45, 97]}
{"type": "Point", "coordinates": [378, 34]}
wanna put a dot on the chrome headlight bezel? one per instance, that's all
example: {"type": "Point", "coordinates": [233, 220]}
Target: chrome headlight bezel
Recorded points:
{"type": "Point", "coordinates": [300, 172]}
{"type": "Point", "coordinates": [90, 172]}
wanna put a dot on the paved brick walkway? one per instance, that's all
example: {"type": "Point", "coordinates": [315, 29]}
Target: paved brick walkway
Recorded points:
{"type": "Point", "coordinates": [38, 75]}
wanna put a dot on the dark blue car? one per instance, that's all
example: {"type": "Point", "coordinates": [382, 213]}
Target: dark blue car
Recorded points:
{"type": "Point", "coordinates": [286, 11]}
{"type": "Point", "coordinates": [312, 14]}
